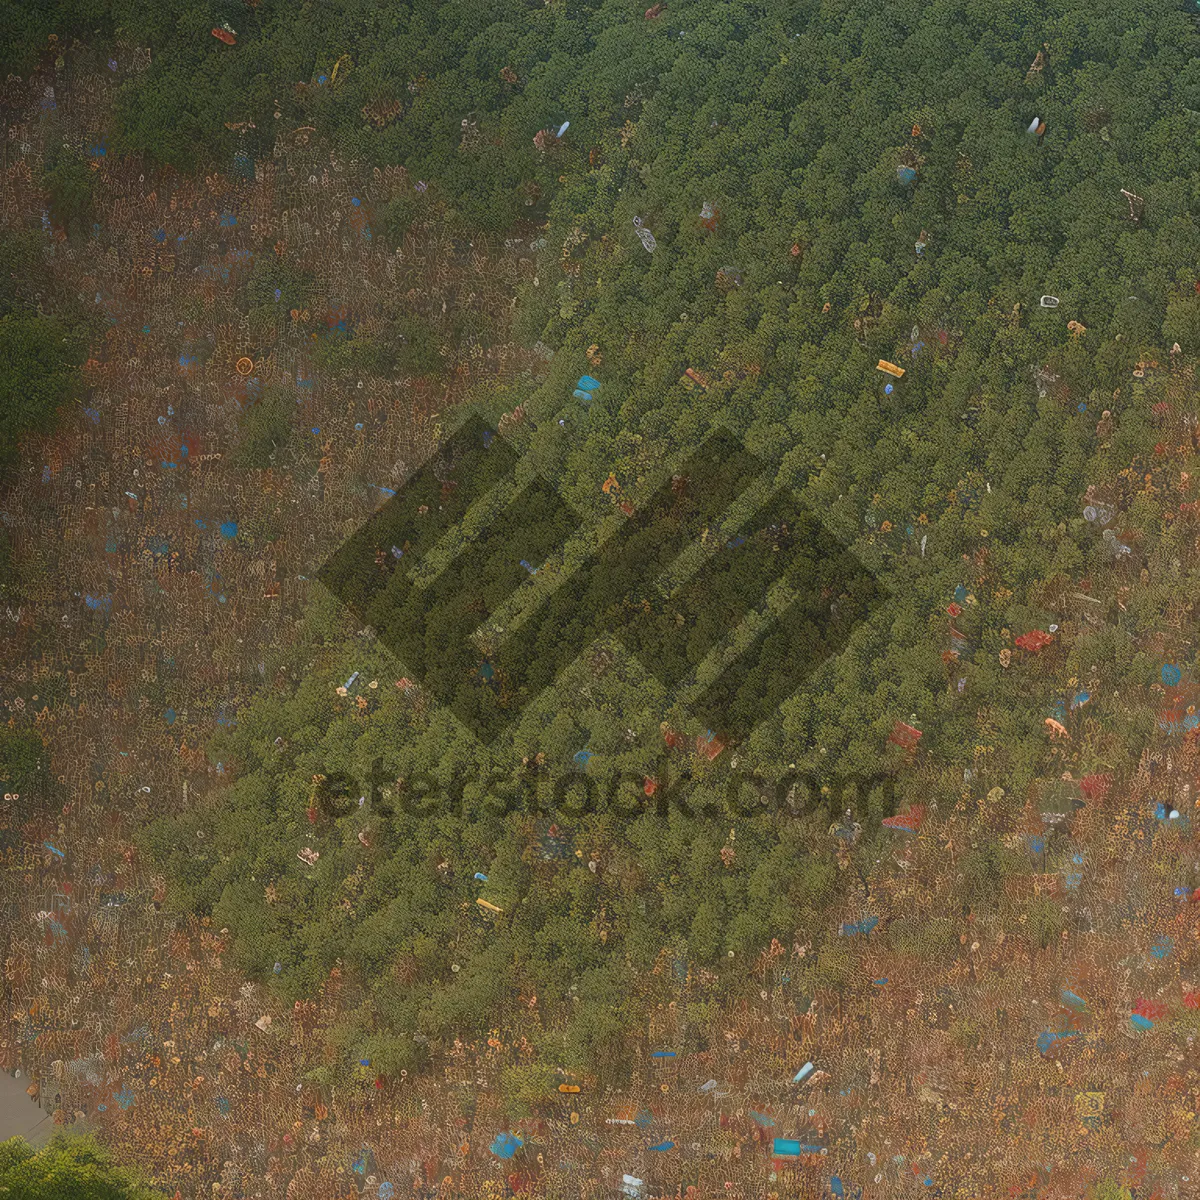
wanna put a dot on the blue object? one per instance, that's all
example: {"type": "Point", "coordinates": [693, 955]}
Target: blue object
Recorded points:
{"type": "Point", "coordinates": [905, 174]}
{"type": "Point", "coordinates": [664, 1146]}
{"type": "Point", "coordinates": [1047, 1039]}
{"type": "Point", "coordinates": [582, 396]}
{"type": "Point", "coordinates": [887, 389]}
{"type": "Point", "coordinates": [1140, 1022]}
{"type": "Point", "coordinates": [488, 438]}
{"type": "Point", "coordinates": [663, 1054]}
{"type": "Point", "coordinates": [386, 1191]}
{"type": "Point", "coordinates": [644, 1119]}
{"type": "Point", "coordinates": [169, 716]}
{"type": "Point", "coordinates": [1071, 1000]}
{"type": "Point", "coordinates": [588, 384]}
{"type": "Point", "coordinates": [481, 877]}
{"type": "Point", "coordinates": [761, 1119]}
{"type": "Point", "coordinates": [835, 1186]}
{"type": "Point", "coordinates": [54, 850]}
{"type": "Point", "coordinates": [581, 757]}
{"type": "Point", "coordinates": [1162, 948]}
{"type": "Point", "coordinates": [1171, 675]}
{"type": "Point", "coordinates": [506, 1145]}
{"type": "Point", "coordinates": [355, 201]}
{"type": "Point", "coordinates": [852, 928]}
{"type": "Point", "coordinates": [803, 1073]}
{"type": "Point", "coordinates": [229, 529]}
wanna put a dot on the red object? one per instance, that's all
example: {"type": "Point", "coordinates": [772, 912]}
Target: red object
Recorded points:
{"type": "Point", "coordinates": [1095, 787]}
{"type": "Point", "coordinates": [651, 13]}
{"type": "Point", "coordinates": [1191, 999]}
{"type": "Point", "coordinates": [1150, 1009]}
{"type": "Point", "coordinates": [1160, 449]}
{"type": "Point", "coordinates": [910, 821]}
{"type": "Point", "coordinates": [312, 814]}
{"type": "Point", "coordinates": [379, 1081]}
{"type": "Point", "coordinates": [650, 786]}
{"type": "Point", "coordinates": [225, 36]}
{"type": "Point", "coordinates": [904, 735]}
{"type": "Point", "coordinates": [626, 508]}
{"type": "Point", "coordinates": [1034, 640]}
{"type": "Point", "coordinates": [954, 610]}
{"type": "Point", "coordinates": [710, 747]}
{"type": "Point", "coordinates": [671, 738]}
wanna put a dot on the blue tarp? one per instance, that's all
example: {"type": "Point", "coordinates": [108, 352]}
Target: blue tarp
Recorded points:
{"type": "Point", "coordinates": [506, 1145]}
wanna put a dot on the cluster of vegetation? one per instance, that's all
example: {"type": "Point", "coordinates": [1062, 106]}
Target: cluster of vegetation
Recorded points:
{"type": "Point", "coordinates": [799, 124]}
{"type": "Point", "coordinates": [40, 354]}
{"type": "Point", "coordinates": [73, 1167]}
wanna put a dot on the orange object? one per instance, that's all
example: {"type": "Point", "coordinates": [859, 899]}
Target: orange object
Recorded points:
{"type": "Point", "coordinates": [489, 907]}
{"type": "Point", "coordinates": [890, 368]}
{"type": "Point", "coordinates": [916, 132]}
{"type": "Point", "coordinates": [244, 365]}
{"type": "Point", "coordinates": [1056, 728]}
{"type": "Point", "coordinates": [225, 36]}
{"type": "Point", "coordinates": [610, 485]}
{"type": "Point", "coordinates": [568, 1087]}
{"type": "Point", "coordinates": [1034, 640]}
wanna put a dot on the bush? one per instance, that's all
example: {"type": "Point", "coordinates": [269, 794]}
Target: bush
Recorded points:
{"type": "Point", "coordinates": [39, 371]}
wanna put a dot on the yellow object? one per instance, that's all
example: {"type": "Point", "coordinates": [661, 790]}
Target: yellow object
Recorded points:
{"type": "Point", "coordinates": [890, 368]}
{"type": "Point", "coordinates": [337, 66]}
{"type": "Point", "coordinates": [244, 365]}
{"type": "Point", "coordinates": [489, 907]}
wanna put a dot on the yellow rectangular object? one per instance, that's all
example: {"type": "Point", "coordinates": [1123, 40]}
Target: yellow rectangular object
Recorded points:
{"type": "Point", "coordinates": [890, 368]}
{"type": "Point", "coordinates": [489, 907]}
{"type": "Point", "coordinates": [568, 1087]}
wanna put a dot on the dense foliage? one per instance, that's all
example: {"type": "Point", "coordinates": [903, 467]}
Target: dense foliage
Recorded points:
{"type": "Point", "coordinates": [74, 1168]}
{"type": "Point", "coordinates": [797, 122]}
{"type": "Point", "coordinates": [39, 371]}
